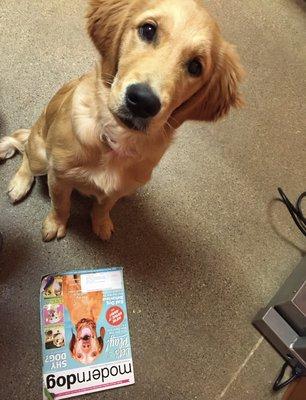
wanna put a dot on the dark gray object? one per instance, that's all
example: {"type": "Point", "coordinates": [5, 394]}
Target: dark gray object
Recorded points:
{"type": "Point", "coordinates": [283, 321]}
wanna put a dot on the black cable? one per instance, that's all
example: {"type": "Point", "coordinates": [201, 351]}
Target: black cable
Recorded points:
{"type": "Point", "coordinates": [295, 211]}
{"type": "Point", "coordinates": [300, 221]}
{"type": "Point", "coordinates": [296, 373]}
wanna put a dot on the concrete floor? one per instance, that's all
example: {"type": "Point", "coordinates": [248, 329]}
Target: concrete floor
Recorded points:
{"type": "Point", "coordinates": [203, 245]}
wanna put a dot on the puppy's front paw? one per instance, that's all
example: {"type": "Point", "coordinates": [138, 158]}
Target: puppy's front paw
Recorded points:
{"type": "Point", "coordinates": [19, 187]}
{"type": "Point", "coordinates": [53, 228]}
{"type": "Point", "coordinates": [103, 228]}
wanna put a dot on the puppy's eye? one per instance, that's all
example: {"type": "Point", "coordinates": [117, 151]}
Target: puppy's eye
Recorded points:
{"type": "Point", "coordinates": [79, 355]}
{"type": "Point", "coordinates": [94, 354]}
{"type": "Point", "coordinates": [148, 32]}
{"type": "Point", "coordinates": [194, 67]}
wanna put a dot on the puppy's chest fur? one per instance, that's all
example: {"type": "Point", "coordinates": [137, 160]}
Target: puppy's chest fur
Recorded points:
{"type": "Point", "coordinates": [93, 167]}
{"type": "Point", "coordinates": [105, 179]}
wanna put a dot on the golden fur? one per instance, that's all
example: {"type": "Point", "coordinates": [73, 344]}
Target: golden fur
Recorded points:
{"type": "Point", "coordinates": [84, 310]}
{"type": "Point", "coordinates": [79, 142]}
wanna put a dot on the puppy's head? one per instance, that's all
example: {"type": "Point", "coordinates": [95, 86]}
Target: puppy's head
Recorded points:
{"type": "Point", "coordinates": [58, 340]}
{"type": "Point", "coordinates": [57, 288]}
{"type": "Point", "coordinates": [48, 292]}
{"type": "Point", "coordinates": [165, 61]}
{"type": "Point", "coordinates": [49, 336]}
{"type": "Point", "coordinates": [53, 316]}
{"type": "Point", "coordinates": [85, 346]}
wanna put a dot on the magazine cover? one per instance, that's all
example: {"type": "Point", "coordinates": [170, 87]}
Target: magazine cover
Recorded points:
{"type": "Point", "coordinates": [85, 333]}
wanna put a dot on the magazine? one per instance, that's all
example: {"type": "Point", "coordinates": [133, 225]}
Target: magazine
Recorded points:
{"type": "Point", "coordinates": [85, 334]}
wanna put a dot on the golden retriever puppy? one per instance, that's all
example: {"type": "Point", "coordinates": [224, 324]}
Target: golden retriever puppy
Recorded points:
{"type": "Point", "coordinates": [162, 62]}
{"type": "Point", "coordinates": [84, 310]}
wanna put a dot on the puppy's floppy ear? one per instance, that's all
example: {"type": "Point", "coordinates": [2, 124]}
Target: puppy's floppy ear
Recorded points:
{"type": "Point", "coordinates": [72, 343]}
{"type": "Point", "coordinates": [219, 93]}
{"type": "Point", "coordinates": [106, 20]}
{"type": "Point", "coordinates": [101, 337]}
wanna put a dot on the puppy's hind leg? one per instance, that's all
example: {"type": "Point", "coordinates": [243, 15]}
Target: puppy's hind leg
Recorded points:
{"type": "Point", "coordinates": [22, 181]}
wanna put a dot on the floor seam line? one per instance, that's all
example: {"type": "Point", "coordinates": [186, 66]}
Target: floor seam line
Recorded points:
{"type": "Point", "coordinates": [240, 369]}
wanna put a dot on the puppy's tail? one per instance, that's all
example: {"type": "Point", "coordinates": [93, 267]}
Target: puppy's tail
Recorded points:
{"type": "Point", "coordinates": [16, 141]}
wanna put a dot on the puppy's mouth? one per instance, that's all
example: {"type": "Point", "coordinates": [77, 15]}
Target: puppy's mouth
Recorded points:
{"type": "Point", "coordinates": [131, 122]}
{"type": "Point", "coordinates": [85, 334]}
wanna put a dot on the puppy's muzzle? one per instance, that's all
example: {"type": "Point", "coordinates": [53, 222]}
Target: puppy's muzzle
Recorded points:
{"type": "Point", "coordinates": [141, 101]}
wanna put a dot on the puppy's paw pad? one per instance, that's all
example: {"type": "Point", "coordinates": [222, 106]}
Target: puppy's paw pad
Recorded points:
{"type": "Point", "coordinates": [19, 187]}
{"type": "Point", "coordinates": [103, 229]}
{"type": "Point", "coordinates": [52, 228]}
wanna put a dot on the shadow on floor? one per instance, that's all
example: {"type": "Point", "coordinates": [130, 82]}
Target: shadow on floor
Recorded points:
{"type": "Point", "coordinates": [13, 255]}
{"type": "Point", "coordinates": [301, 3]}
{"type": "Point", "coordinates": [2, 125]}
{"type": "Point", "coordinates": [153, 252]}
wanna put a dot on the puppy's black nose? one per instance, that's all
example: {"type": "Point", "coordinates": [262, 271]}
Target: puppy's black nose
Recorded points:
{"type": "Point", "coordinates": [141, 101]}
{"type": "Point", "coordinates": [86, 337]}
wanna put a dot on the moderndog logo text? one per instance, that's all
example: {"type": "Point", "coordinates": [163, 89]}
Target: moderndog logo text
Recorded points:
{"type": "Point", "coordinates": [106, 374]}
{"type": "Point", "coordinates": [85, 334]}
